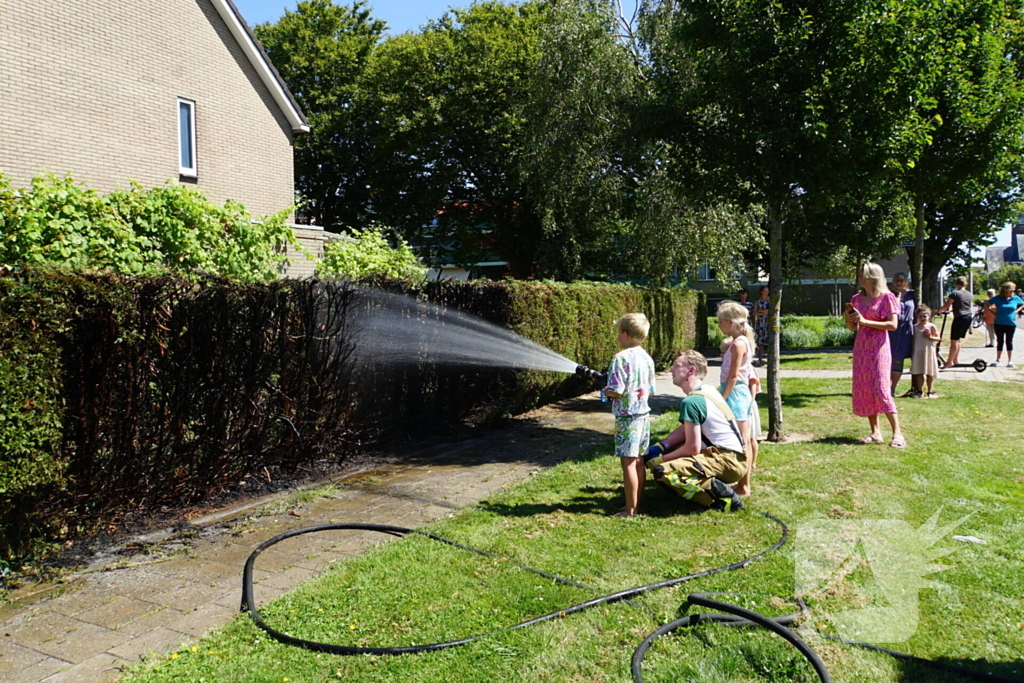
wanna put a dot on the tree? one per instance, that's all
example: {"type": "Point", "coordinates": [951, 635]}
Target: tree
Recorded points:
{"type": "Point", "coordinates": [966, 183]}
{"type": "Point", "coordinates": [449, 105]}
{"type": "Point", "coordinates": [779, 103]}
{"type": "Point", "coordinates": [321, 50]}
{"type": "Point", "coordinates": [610, 203]}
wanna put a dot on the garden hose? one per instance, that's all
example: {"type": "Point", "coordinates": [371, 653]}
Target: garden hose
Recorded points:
{"type": "Point", "coordinates": [249, 602]}
{"type": "Point", "coordinates": [731, 615]}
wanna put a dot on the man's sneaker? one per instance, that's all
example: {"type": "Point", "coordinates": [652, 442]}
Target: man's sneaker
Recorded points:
{"type": "Point", "coordinates": [1010, 365]}
{"type": "Point", "coordinates": [726, 499]}
{"type": "Point", "coordinates": [993, 365]}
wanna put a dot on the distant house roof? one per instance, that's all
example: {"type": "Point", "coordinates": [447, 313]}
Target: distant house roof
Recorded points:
{"type": "Point", "coordinates": [261, 62]}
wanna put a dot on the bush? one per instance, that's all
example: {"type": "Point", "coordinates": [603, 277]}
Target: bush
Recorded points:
{"type": "Point", "coordinates": [799, 338]}
{"type": "Point", "coordinates": [121, 393]}
{"type": "Point", "coordinates": [837, 336]}
{"type": "Point", "coordinates": [138, 232]}
{"type": "Point", "coordinates": [369, 256]}
{"type": "Point", "coordinates": [805, 322]}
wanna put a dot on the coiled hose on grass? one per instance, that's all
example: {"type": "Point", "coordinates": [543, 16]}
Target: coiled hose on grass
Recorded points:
{"type": "Point", "coordinates": [734, 615]}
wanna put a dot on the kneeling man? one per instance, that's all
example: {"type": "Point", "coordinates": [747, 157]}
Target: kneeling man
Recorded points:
{"type": "Point", "coordinates": [706, 452]}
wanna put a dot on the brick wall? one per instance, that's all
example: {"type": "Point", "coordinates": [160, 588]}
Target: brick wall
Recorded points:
{"type": "Point", "coordinates": [312, 240]}
{"type": "Point", "coordinates": [91, 88]}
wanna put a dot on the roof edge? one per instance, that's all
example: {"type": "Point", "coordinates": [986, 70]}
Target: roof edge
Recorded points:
{"type": "Point", "coordinates": [261, 62]}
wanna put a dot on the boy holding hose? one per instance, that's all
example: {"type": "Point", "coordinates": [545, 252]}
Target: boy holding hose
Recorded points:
{"type": "Point", "coordinates": [630, 385]}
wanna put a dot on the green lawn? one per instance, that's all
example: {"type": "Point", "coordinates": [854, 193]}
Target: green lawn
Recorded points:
{"type": "Point", "coordinates": [963, 458]}
{"type": "Point", "coordinates": [818, 359]}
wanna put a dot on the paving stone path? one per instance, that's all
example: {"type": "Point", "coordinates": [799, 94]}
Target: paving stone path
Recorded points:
{"type": "Point", "coordinates": [123, 610]}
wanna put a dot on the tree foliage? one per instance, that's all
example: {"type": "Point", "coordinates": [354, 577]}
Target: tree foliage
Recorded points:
{"type": "Point", "coordinates": [321, 50]}
{"type": "Point", "coordinates": [785, 105]}
{"type": "Point", "coordinates": [368, 255]}
{"type": "Point", "coordinates": [966, 183]}
{"type": "Point", "coordinates": [137, 231]}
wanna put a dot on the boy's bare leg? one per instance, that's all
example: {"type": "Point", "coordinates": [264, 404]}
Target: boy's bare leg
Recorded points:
{"type": "Point", "coordinates": [634, 476]}
{"type": "Point", "coordinates": [742, 487]}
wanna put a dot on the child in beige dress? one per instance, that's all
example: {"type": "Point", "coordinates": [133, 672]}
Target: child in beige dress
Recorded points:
{"type": "Point", "coordinates": [924, 367]}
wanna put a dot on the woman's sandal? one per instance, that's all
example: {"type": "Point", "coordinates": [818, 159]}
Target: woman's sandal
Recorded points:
{"type": "Point", "coordinates": [898, 442]}
{"type": "Point", "coordinates": [871, 438]}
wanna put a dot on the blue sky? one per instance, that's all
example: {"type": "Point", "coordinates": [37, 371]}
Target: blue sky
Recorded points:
{"type": "Point", "coordinates": [401, 15]}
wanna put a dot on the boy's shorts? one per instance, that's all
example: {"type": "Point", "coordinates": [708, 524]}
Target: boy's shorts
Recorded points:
{"type": "Point", "coordinates": [632, 435]}
{"type": "Point", "coordinates": [739, 401]}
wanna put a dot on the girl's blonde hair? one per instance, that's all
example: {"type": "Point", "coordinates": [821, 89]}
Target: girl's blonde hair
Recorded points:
{"type": "Point", "coordinates": [738, 314]}
{"type": "Point", "coordinates": [873, 271]}
{"type": "Point", "coordinates": [923, 308]}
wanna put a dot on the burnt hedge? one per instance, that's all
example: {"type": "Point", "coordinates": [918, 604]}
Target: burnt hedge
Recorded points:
{"type": "Point", "coordinates": [117, 394]}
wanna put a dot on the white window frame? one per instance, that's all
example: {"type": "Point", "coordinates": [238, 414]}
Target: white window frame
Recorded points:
{"type": "Point", "coordinates": [193, 171]}
{"type": "Point", "coordinates": [704, 273]}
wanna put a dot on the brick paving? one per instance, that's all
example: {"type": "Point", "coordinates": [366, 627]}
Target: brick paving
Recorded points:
{"type": "Point", "coordinates": [116, 613]}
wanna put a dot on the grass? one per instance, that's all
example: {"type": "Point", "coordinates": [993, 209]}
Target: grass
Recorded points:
{"type": "Point", "coordinates": [963, 458]}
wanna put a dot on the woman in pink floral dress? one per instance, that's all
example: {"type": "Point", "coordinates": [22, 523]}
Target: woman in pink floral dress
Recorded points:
{"type": "Point", "coordinates": [872, 314]}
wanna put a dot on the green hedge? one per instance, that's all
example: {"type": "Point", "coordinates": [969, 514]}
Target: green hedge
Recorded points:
{"type": "Point", "coordinates": [118, 394]}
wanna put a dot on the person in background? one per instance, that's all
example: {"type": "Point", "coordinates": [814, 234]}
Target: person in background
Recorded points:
{"type": "Point", "coordinates": [761, 307]}
{"type": "Point", "coordinates": [924, 367]}
{"type": "Point", "coordinates": [1007, 305]}
{"type": "Point", "coordinates": [630, 385]}
{"type": "Point", "coordinates": [990, 319]}
{"type": "Point", "coordinates": [901, 340]}
{"type": "Point", "coordinates": [871, 315]}
{"type": "Point", "coordinates": [743, 297]}
{"type": "Point", "coordinates": [959, 300]}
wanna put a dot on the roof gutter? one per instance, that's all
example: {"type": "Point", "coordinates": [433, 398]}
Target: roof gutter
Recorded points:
{"type": "Point", "coordinates": [261, 62]}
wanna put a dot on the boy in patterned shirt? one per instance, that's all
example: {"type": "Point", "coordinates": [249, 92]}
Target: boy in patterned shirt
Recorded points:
{"type": "Point", "coordinates": [630, 384]}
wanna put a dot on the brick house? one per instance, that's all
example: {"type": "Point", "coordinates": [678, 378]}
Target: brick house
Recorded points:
{"type": "Point", "coordinates": [148, 90]}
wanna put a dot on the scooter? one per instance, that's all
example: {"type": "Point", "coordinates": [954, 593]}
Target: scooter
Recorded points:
{"type": "Point", "coordinates": [980, 364]}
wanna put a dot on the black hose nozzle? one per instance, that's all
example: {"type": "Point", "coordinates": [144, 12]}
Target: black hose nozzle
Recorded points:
{"type": "Point", "coordinates": [584, 371]}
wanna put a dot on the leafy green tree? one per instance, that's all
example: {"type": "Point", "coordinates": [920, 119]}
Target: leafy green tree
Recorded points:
{"type": "Point", "coordinates": [322, 51]}
{"type": "Point", "coordinates": [610, 201]}
{"type": "Point", "coordinates": [776, 103]}
{"type": "Point", "coordinates": [369, 253]}
{"type": "Point", "coordinates": [449, 104]}
{"type": "Point", "coordinates": [966, 184]}
{"type": "Point", "coordinates": [1014, 274]}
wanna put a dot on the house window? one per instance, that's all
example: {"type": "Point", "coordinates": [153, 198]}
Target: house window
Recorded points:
{"type": "Point", "coordinates": [705, 272]}
{"type": "Point", "coordinates": [187, 138]}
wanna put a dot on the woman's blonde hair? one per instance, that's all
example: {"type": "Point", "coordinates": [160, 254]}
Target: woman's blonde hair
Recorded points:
{"type": "Point", "coordinates": [873, 271]}
{"type": "Point", "coordinates": [738, 314]}
{"type": "Point", "coordinates": [1007, 285]}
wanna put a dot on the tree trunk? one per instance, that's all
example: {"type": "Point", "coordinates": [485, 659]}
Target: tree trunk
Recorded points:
{"type": "Point", "coordinates": [930, 293]}
{"type": "Point", "coordinates": [917, 267]}
{"type": "Point", "coordinates": [775, 421]}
